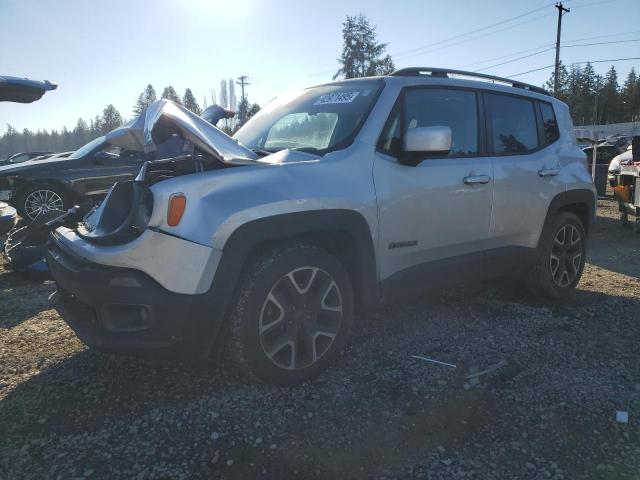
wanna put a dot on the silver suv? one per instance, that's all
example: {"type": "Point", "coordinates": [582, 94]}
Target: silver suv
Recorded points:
{"type": "Point", "coordinates": [266, 245]}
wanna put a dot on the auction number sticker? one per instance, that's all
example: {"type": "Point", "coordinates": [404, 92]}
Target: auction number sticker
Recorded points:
{"type": "Point", "coordinates": [336, 97]}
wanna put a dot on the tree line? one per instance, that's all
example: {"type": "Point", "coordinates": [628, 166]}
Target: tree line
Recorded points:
{"type": "Point", "coordinates": [595, 99]}
{"type": "Point", "coordinates": [83, 132]}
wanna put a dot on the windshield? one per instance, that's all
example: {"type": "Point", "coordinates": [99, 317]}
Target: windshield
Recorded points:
{"type": "Point", "coordinates": [88, 148]}
{"type": "Point", "coordinates": [316, 120]}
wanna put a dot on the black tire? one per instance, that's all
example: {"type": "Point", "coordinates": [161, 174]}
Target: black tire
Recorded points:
{"type": "Point", "coordinates": [24, 196]}
{"type": "Point", "coordinates": [302, 315]}
{"type": "Point", "coordinates": [545, 280]}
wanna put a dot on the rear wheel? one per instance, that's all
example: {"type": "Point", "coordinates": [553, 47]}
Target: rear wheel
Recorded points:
{"type": "Point", "coordinates": [561, 260]}
{"type": "Point", "coordinates": [41, 199]}
{"type": "Point", "coordinates": [292, 314]}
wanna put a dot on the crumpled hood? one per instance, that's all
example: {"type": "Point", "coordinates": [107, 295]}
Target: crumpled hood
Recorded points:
{"type": "Point", "coordinates": [164, 117]}
{"type": "Point", "coordinates": [288, 156]}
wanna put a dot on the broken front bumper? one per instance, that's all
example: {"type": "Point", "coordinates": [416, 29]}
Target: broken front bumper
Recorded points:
{"type": "Point", "coordinates": [125, 310]}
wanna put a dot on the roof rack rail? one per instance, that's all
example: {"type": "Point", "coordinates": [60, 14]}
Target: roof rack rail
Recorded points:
{"type": "Point", "coordinates": [445, 72]}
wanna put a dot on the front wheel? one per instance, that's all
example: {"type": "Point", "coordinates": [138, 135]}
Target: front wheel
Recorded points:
{"type": "Point", "coordinates": [292, 314]}
{"type": "Point", "coordinates": [561, 258]}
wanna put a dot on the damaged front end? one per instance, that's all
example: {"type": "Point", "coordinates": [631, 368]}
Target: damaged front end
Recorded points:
{"type": "Point", "coordinates": [124, 214]}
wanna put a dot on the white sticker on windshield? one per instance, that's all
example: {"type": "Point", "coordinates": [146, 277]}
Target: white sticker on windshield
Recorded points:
{"type": "Point", "coordinates": [336, 97]}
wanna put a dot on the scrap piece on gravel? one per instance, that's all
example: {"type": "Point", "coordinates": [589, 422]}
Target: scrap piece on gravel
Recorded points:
{"type": "Point", "coordinates": [622, 417]}
{"type": "Point", "coordinates": [474, 373]}
{"type": "Point", "coordinates": [433, 361]}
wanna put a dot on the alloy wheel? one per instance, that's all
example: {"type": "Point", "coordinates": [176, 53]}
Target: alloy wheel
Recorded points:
{"type": "Point", "coordinates": [300, 318]}
{"type": "Point", "coordinates": [566, 255]}
{"type": "Point", "coordinates": [43, 201]}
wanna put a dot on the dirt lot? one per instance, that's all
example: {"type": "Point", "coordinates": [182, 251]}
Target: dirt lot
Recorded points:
{"type": "Point", "coordinates": [549, 412]}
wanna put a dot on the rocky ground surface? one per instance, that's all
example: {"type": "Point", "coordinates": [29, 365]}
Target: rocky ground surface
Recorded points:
{"type": "Point", "coordinates": [548, 410]}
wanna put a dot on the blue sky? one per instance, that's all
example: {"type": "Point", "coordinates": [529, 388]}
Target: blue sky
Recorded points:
{"type": "Point", "coordinates": [102, 52]}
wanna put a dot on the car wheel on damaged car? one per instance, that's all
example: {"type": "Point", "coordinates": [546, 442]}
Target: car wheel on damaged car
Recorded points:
{"type": "Point", "coordinates": [32, 202]}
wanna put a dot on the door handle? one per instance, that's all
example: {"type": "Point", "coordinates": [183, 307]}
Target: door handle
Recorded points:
{"type": "Point", "coordinates": [548, 172]}
{"type": "Point", "coordinates": [476, 179]}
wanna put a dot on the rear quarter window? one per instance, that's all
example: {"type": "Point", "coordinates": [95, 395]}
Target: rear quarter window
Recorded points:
{"type": "Point", "coordinates": [550, 130]}
{"type": "Point", "coordinates": [512, 124]}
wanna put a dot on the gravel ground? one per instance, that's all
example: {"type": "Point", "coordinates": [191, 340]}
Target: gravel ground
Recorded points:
{"type": "Point", "coordinates": [547, 412]}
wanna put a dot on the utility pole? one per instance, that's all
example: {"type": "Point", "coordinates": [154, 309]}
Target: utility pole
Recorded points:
{"type": "Point", "coordinates": [561, 11]}
{"type": "Point", "coordinates": [242, 81]}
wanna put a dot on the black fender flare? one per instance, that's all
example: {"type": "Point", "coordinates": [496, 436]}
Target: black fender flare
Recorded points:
{"type": "Point", "coordinates": [309, 224]}
{"type": "Point", "coordinates": [581, 196]}
{"type": "Point", "coordinates": [312, 225]}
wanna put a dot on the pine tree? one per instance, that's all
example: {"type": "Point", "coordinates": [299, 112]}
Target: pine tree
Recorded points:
{"type": "Point", "coordinates": [609, 99]}
{"type": "Point", "coordinates": [111, 119]}
{"type": "Point", "coordinates": [255, 108]}
{"type": "Point", "coordinates": [243, 112]}
{"type": "Point", "coordinates": [361, 55]}
{"type": "Point", "coordinates": [190, 103]}
{"type": "Point", "coordinates": [630, 97]}
{"type": "Point", "coordinates": [563, 83]}
{"type": "Point", "coordinates": [146, 98]}
{"type": "Point", "coordinates": [170, 94]}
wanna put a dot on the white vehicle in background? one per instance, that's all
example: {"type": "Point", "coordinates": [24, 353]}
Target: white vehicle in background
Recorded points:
{"type": "Point", "coordinates": [614, 166]}
{"type": "Point", "coordinates": [323, 203]}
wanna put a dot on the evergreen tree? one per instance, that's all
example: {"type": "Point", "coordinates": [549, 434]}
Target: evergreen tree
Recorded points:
{"type": "Point", "coordinates": [189, 101]}
{"type": "Point", "coordinates": [111, 119]}
{"type": "Point", "coordinates": [609, 99]}
{"type": "Point", "coordinates": [630, 97]}
{"type": "Point", "coordinates": [563, 83]}
{"type": "Point", "coordinates": [146, 98]}
{"type": "Point", "coordinates": [170, 94]}
{"type": "Point", "coordinates": [243, 112]}
{"type": "Point", "coordinates": [255, 108]}
{"type": "Point", "coordinates": [362, 55]}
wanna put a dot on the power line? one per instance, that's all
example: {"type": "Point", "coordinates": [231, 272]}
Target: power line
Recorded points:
{"type": "Point", "coordinates": [508, 55]}
{"type": "Point", "coordinates": [530, 71]}
{"type": "Point", "coordinates": [593, 3]}
{"type": "Point", "coordinates": [467, 40]}
{"type": "Point", "coordinates": [619, 34]}
{"type": "Point", "coordinates": [486, 27]}
{"type": "Point", "coordinates": [564, 44]}
{"type": "Point", "coordinates": [515, 59]}
{"type": "Point", "coordinates": [547, 49]}
{"type": "Point", "coordinates": [601, 43]}
{"type": "Point", "coordinates": [576, 63]}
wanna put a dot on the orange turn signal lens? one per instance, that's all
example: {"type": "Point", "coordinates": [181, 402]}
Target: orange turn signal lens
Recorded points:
{"type": "Point", "coordinates": [177, 204]}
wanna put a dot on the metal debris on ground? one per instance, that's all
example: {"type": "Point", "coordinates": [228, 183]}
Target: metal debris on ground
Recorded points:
{"type": "Point", "coordinates": [426, 359]}
{"type": "Point", "coordinates": [474, 374]}
{"type": "Point", "coordinates": [622, 417]}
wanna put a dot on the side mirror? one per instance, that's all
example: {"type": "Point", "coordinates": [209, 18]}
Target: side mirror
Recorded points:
{"type": "Point", "coordinates": [434, 140]}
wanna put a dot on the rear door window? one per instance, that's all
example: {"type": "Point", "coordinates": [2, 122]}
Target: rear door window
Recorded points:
{"type": "Point", "coordinates": [512, 124]}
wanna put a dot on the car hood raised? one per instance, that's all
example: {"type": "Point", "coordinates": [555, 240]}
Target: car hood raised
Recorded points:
{"type": "Point", "coordinates": [23, 90]}
{"type": "Point", "coordinates": [164, 117]}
